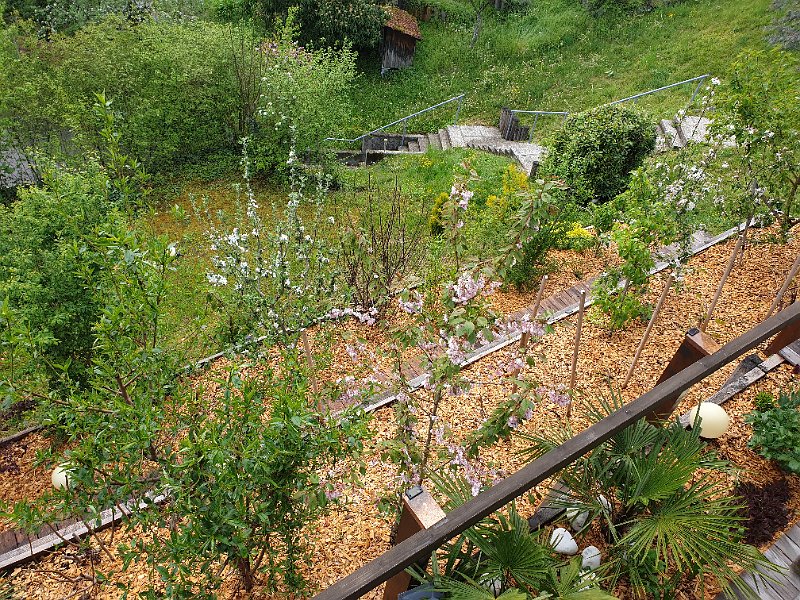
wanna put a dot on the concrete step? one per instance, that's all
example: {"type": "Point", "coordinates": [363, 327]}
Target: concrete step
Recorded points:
{"type": "Point", "coordinates": [422, 140]}
{"type": "Point", "coordinates": [434, 141]}
{"type": "Point", "coordinates": [413, 146]}
{"type": "Point", "coordinates": [670, 134]}
{"type": "Point", "coordinates": [444, 136]}
{"type": "Point", "coordinates": [694, 129]}
{"type": "Point", "coordinates": [456, 139]}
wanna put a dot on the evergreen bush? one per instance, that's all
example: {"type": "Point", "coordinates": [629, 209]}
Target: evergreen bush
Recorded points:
{"type": "Point", "coordinates": [596, 150]}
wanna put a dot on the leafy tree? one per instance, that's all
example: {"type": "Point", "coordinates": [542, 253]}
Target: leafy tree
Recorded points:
{"type": "Point", "coordinates": [304, 99]}
{"type": "Point", "coordinates": [665, 522]}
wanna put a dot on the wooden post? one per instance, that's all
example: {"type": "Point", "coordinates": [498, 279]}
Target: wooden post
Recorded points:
{"type": "Point", "coordinates": [312, 375]}
{"type": "Point", "coordinates": [787, 336]}
{"type": "Point", "coordinates": [420, 511]}
{"type": "Point", "coordinates": [649, 328]}
{"type": "Point", "coordinates": [744, 235]}
{"type": "Point", "coordinates": [728, 269]}
{"type": "Point", "coordinates": [786, 283]}
{"type": "Point", "coordinates": [573, 372]}
{"type": "Point", "coordinates": [696, 345]}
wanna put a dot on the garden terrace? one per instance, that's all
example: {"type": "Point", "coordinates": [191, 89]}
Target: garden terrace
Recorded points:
{"type": "Point", "coordinates": [422, 544]}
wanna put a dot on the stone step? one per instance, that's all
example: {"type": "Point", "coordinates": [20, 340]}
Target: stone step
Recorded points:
{"type": "Point", "coordinates": [422, 141]}
{"type": "Point", "coordinates": [456, 139]}
{"type": "Point", "coordinates": [413, 146]}
{"type": "Point", "coordinates": [670, 134]}
{"type": "Point", "coordinates": [434, 141]}
{"type": "Point", "coordinates": [694, 129]}
{"type": "Point", "coordinates": [444, 136]}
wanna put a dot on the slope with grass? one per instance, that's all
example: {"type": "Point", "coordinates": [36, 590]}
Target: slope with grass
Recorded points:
{"type": "Point", "coordinates": [556, 56]}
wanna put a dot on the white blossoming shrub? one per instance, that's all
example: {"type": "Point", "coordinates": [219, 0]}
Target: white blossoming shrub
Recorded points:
{"type": "Point", "coordinates": [271, 279]}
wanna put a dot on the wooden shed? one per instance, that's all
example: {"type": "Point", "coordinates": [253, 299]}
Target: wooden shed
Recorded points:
{"type": "Point", "coordinates": [400, 35]}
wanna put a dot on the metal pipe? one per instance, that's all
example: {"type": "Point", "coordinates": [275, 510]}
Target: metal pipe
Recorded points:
{"type": "Point", "coordinates": [393, 123]}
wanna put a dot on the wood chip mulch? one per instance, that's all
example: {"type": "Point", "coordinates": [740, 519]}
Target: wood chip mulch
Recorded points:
{"type": "Point", "coordinates": [355, 532]}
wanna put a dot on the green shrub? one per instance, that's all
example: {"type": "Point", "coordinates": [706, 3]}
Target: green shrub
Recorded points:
{"type": "Point", "coordinates": [172, 85]}
{"type": "Point", "coordinates": [776, 430]}
{"type": "Point", "coordinates": [47, 266]}
{"type": "Point", "coordinates": [435, 219]}
{"type": "Point", "coordinates": [595, 151]}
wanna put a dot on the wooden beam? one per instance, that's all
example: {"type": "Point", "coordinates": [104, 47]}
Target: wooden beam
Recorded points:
{"type": "Point", "coordinates": [695, 346]}
{"type": "Point", "coordinates": [786, 337]}
{"type": "Point", "coordinates": [420, 545]}
{"type": "Point", "coordinates": [420, 511]}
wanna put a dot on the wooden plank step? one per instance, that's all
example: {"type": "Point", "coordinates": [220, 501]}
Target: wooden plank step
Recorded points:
{"type": "Point", "coordinates": [791, 354]}
{"type": "Point", "coordinates": [34, 548]}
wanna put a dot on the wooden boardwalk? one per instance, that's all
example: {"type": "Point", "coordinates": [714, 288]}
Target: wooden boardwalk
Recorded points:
{"type": "Point", "coordinates": [781, 586]}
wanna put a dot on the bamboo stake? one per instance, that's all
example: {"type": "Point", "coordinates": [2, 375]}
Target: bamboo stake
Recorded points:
{"type": "Point", "coordinates": [789, 277]}
{"type": "Point", "coordinates": [722, 281]}
{"type": "Point", "coordinates": [312, 370]}
{"type": "Point", "coordinates": [649, 328]}
{"type": "Point", "coordinates": [526, 337]}
{"type": "Point", "coordinates": [577, 341]}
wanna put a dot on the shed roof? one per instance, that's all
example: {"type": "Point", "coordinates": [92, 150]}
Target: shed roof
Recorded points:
{"type": "Point", "coordinates": [401, 21]}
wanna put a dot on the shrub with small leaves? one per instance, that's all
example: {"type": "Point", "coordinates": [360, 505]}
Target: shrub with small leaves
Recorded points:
{"type": "Point", "coordinates": [776, 430]}
{"type": "Point", "coordinates": [595, 151]}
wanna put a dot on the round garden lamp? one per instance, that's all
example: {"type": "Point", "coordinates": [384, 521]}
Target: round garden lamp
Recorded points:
{"type": "Point", "coordinates": [714, 421]}
{"type": "Point", "coordinates": [60, 477]}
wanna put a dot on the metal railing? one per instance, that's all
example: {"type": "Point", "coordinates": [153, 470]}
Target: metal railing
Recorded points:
{"type": "Point", "coordinates": [404, 121]}
{"type": "Point", "coordinates": [537, 113]}
{"type": "Point", "coordinates": [420, 545]}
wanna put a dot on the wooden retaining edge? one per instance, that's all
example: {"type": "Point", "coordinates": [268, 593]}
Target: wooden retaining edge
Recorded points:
{"type": "Point", "coordinates": [20, 435]}
{"type": "Point", "coordinates": [75, 531]}
{"type": "Point", "coordinates": [386, 398]}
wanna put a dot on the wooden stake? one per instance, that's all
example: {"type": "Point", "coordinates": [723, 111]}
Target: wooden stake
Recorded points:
{"type": "Point", "coordinates": [525, 339]}
{"type": "Point", "coordinates": [577, 341]}
{"type": "Point", "coordinates": [312, 369]}
{"type": "Point", "coordinates": [722, 281]}
{"type": "Point", "coordinates": [649, 328]}
{"type": "Point", "coordinates": [744, 234]}
{"type": "Point", "coordinates": [787, 282]}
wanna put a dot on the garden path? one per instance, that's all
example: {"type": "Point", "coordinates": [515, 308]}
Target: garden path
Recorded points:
{"type": "Point", "coordinates": [782, 586]}
{"type": "Point", "coordinates": [670, 134]}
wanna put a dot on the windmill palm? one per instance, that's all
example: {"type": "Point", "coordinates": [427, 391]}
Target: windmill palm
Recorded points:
{"type": "Point", "coordinates": [664, 514]}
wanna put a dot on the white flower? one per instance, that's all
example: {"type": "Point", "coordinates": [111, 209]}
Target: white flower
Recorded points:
{"type": "Point", "coordinates": [216, 280]}
{"type": "Point", "coordinates": [715, 81]}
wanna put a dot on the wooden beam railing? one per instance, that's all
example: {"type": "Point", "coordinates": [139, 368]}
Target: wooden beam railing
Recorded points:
{"type": "Point", "coordinates": [420, 545]}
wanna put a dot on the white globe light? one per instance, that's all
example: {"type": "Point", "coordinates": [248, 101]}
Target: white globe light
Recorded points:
{"type": "Point", "coordinates": [714, 420]}
{"type": "Point", "coordinates": [60, 477]}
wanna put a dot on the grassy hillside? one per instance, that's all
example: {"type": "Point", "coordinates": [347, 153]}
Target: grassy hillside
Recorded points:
{"type": "Point", "coordinates": [556, 56]}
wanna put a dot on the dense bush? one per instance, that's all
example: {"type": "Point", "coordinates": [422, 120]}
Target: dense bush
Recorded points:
{"type": "Point", "coordinates": [595, 151]}
{"type": "Point", "coordinates": [776, 430]}
{"type": "Point", "coordinates": [46, 264]}
{"type": "Point", "coordinates": [172, 83]}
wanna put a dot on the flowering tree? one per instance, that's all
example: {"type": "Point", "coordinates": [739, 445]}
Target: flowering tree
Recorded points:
{"type": "Point", "coordinates": [271, 280]}
{"type": "Point", "coordinates": [757, 108]}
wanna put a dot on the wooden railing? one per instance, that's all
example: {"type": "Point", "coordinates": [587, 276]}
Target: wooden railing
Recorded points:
{"type": "Point", "coordinates": [422, 544]}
